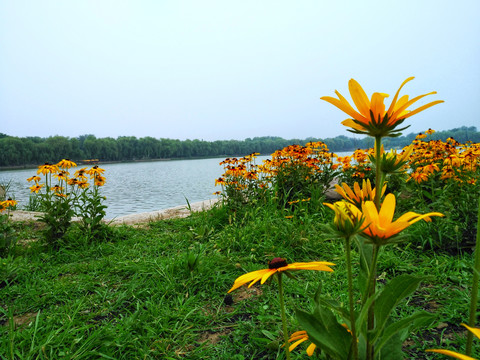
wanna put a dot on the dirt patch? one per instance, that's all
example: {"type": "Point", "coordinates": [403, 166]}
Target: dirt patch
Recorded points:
{"type": "Point", "coordinates": [212, 338]}
{"type": "Point", "coordinates": [245, 293]}
{"type": "Point", "coordinates": [24, 319]}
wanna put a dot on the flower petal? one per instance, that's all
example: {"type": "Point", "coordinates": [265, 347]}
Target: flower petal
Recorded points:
{"type": "Point", "coordinates": [451, 353]}
{"type": "Point", "coordinates": [344, 106]}
{"type": "Point", "coordinates": [242, 280]}
{"type": "Point", "coordinates": [359, 98]}
{"type": "Point", "coordinates": [392, 105]}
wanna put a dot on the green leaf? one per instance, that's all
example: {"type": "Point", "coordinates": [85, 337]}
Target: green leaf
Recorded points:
{"type": "Point", "coordinates": [411, 322]}
{"type": "Point", "coordinates": [324, 330]}
{"type": "Point", "coordinates": [391, 295]}
{"type": "Point", "coordinates": [365, 251]}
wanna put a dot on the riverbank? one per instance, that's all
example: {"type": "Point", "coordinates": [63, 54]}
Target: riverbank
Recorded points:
{"type": "Point", "coordinates": [180, 211]}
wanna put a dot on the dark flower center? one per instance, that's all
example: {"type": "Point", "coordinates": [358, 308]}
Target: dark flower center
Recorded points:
{"type": "Point", "coordinates": [277, 262]}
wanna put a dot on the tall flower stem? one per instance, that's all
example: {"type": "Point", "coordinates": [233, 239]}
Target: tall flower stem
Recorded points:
{"type": "Point", "coordinates": [378, 171]}
{"type": "Point", "coordinates": [284, 316]}
{"type": "Point", "coordinates": [350, 297]}
{"type": "Point", "coordinates": [475, 280]}
{"type": "Point", "coordinates": [372, 279]}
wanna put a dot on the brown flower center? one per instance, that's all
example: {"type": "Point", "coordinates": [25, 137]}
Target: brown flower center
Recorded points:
{"type": "Point", "coordinates": [277, 262]}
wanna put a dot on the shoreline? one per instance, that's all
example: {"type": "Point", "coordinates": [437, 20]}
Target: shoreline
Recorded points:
{"type": "Point", "coordinates": [180, 211]}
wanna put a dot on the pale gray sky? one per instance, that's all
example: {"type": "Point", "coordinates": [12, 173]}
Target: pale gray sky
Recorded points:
{"type": "Point", "coordinates": [229, 69]}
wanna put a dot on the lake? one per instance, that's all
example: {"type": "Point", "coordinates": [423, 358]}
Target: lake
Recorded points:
{"type": "Point", "coordinates": [141, 186]}
{"type": "Point", "coordinates": [137, 187]}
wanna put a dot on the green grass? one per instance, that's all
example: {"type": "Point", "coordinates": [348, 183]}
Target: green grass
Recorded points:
{"type": "Point", "coordinates": [138, 296]}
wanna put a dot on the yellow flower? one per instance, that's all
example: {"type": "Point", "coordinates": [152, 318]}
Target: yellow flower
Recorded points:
{"type": "Point", "coordinates": [36, 188]}
{"type": "Point", "coordinates": [7, 204]}
{"type": "Point", "coordinates": [34, 178]}
{"type": "Point", "coordinates": [358, 195]}
{"type": "Point", "coordinates": [94, 171]}
{"type": "Point", "coordinates": [348, 218]}
{"type": "Point", "coordinates": [380, 225]}
{"type": "Point", "coordinates": [47, 169]}
{"type": "Point", "coordinates": [62, 175]}
{"type": "Point", "coordinates": [66, 164]}
{"type": "Point", "coordinates": [474, 331]}
{"type": "Point", "coordinates": [392, 162]}
{"type": "Point", "coordinates": [299, 337]}
{"type": "Point", "coordinates": [99, 180]}
{"type": "Point", "coordinates": [372, 118]}
{"type": "Point", "coordinates": [278, 265]}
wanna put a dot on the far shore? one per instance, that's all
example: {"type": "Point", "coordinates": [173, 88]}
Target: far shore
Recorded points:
{"type": "Point", "coordinates": [79, 163]}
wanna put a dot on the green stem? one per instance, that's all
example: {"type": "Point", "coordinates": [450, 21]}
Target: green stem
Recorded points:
{"type": "Point", "coordinates": [378, 171]}
{"type": "Point", "coordinates": [350, 298]}
{"type": "Point", "coordinates": [474, 296]}
{"type": "Point", "coordinates": [284, 316]}
{"type": "Point", "coordinates": [372, 279]}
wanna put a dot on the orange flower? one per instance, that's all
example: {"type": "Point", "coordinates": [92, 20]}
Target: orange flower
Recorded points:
{"type": "Point", "coordinates": [380, 224]}
{"type": "Point", "coordinates": [372, 118]}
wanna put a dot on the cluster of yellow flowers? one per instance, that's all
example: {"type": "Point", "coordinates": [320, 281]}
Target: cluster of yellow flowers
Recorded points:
{"type": "Point", "coordinates": [444, 161]}
{"type": "Point", "coordinates": [60, 172]}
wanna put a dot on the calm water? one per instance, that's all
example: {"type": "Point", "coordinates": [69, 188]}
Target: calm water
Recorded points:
{"type": "Point", "coordinates": [140, 187]}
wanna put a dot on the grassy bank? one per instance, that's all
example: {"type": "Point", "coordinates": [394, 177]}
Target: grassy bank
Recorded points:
{"type": "Point", "coordinates": [160, 291]}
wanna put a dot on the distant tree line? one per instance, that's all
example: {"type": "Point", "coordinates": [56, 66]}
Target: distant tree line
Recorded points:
{"type": "Point", "coordinates": [16, 151]}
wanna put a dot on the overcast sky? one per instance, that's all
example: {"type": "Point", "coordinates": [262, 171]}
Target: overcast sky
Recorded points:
{"type": "Point", "coordinates": [229, 69]}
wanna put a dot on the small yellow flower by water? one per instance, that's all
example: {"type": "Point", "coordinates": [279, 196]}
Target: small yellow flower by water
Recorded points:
{"type": "Point", "coordinates": [474, 331]}
{"type": "Point", "coordinates": [372, 117]}
{"type": "Point", "coordinates": [380, 225]}
{"type": "Point", "coordinates": [47, 169]}
{"type": "Point", "coordinates": [66, 164]}
{"type": "Point", "coordinates": [278, 265]}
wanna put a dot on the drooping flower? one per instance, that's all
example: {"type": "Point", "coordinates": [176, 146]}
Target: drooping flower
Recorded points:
{"type": "Point", "coordinates": [474, 331]}
{"type": "Point", "coordinates": [278, 265]}
{"type": "Point", "coordinates": [380, 226]}
{"type": "Point", "coordinates": [372, 118]}
{"type": "Point", "coordinates": [34, 178]}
